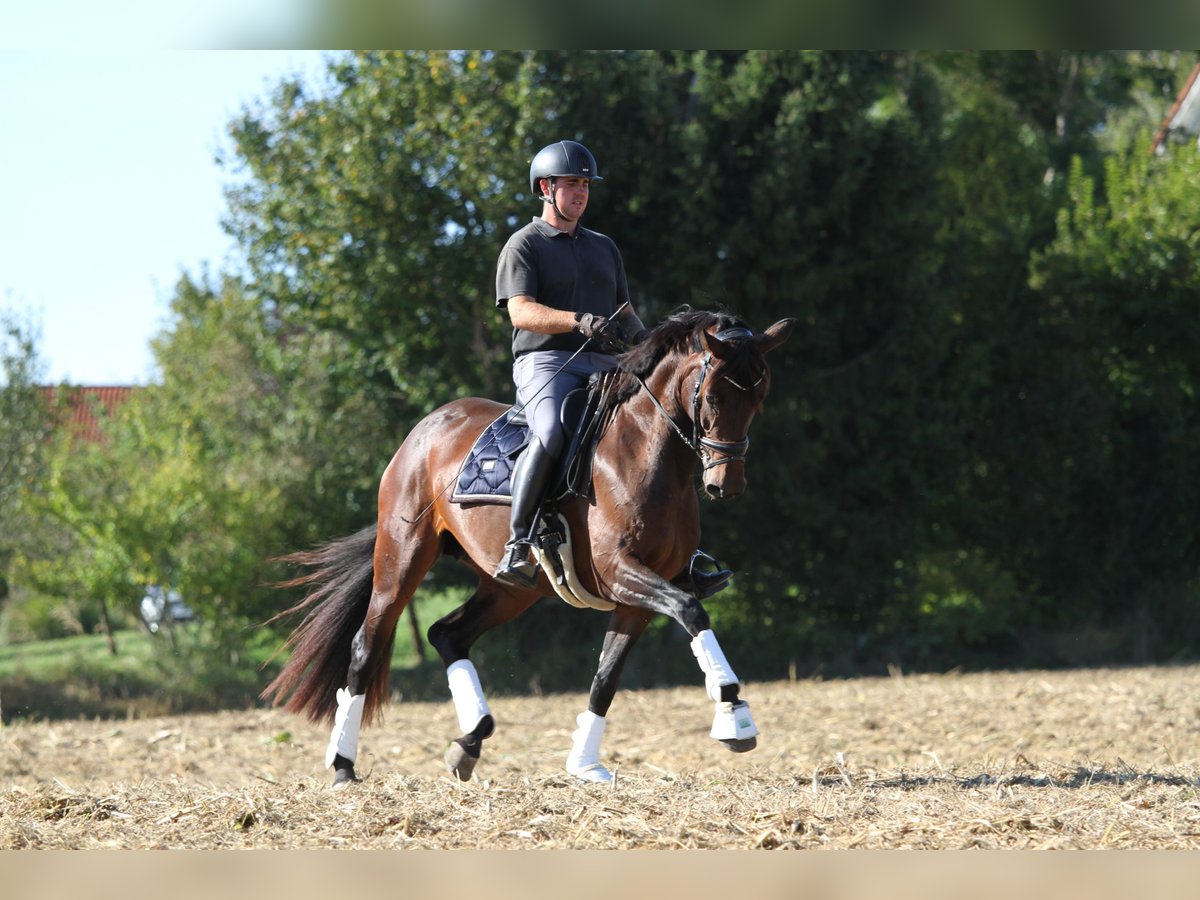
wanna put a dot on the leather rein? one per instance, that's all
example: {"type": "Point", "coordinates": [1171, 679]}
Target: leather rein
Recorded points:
{"type": "Point", "coordinates": [732, 451]}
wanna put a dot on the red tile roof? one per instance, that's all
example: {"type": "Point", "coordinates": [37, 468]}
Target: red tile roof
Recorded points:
{"type": "Point", "coordinates": [85, 404]}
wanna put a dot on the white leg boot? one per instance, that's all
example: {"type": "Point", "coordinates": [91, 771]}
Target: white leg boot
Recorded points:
{"type": "Point", "coordinates": [467, 693]}
{"type": "Point", "coordinates": [472, 711]}
{"type": "Point", "coordinates": [732, 722]}
{"type": "Point", "coordinates": [584, 759]}
{"type": "Point", "coordinates": [347, 723]}
{"type": "Point", "coordinates": [716, 669]}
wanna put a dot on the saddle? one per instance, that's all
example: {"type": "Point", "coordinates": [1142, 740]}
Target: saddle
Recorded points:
{"type": "Point", "coordinates": [485, 475]}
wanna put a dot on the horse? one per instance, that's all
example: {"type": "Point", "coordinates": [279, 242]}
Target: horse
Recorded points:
{"type": "Point", "coordinates": [684, 396]}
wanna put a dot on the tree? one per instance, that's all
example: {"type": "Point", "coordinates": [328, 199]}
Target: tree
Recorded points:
{"type": "Point", "coordinates": [375, 211]}
{"type": "Point", "coordinates": [908, 496]}
{"type": "Point", "coordinates": [244, 451]}
{"type": "Point", "coordinates": [1119, 292]}
{"type": "Point", "coordinates": [24, 427]}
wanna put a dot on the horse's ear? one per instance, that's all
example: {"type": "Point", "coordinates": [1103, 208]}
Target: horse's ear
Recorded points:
{"type": "Point", "coordinates": [715, 345]}
{"type": "Point", "coordinates": [775, 335]}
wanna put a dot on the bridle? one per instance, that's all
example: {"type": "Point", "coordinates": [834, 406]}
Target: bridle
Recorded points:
{"type": "Point", "coordinates": [701, 445]}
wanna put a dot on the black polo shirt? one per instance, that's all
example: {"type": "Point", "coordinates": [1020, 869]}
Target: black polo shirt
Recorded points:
{"type": "Point", "coordinates": [581, 272]}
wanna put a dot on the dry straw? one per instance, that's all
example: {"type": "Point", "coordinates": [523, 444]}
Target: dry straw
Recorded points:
{"type": "Point", "coordinates": [1072, 760]}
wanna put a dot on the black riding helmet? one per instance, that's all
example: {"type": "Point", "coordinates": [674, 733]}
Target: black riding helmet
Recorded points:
{"type": "Point", "coordinates": [562, 158]}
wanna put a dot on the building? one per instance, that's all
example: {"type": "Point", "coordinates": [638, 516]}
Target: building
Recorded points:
{"type": "Point", "coordinates": [85, 407]}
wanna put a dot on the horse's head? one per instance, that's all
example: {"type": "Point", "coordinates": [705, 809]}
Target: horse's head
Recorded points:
{"type": "Point", "coordinates": [731, 382]}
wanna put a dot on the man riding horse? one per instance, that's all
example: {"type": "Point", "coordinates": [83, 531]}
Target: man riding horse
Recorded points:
{"type": "Point", "coordinates": [565, 292]}
{"type": "Point", "coordinates": [684, 396]}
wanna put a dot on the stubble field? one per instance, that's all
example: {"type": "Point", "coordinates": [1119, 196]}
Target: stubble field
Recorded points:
{"type": "Point", "coordinates": [1104, 758]}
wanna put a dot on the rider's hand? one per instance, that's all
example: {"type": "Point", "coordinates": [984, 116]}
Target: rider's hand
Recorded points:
{"type": "Point", "coordinates": [604, 332]}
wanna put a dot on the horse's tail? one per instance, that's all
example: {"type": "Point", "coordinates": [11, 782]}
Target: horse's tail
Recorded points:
{"type": "Point", "coordinates": [341, 576]}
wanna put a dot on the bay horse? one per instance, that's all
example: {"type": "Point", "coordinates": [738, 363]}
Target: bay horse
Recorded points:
{"type": "Point", "coordinates": [683, 396]}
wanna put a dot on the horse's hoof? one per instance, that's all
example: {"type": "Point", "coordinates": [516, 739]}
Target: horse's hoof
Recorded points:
{"type": "Point", "coordinates": [594, 774]}
{"type": "Point", "coordinates": [344, 775]}
{"type": "Point", "coordinates": [460, 759]}
{"type": "Point", "coordinates": [741, 745]}
{"type": "Point", "coordinates": [734, 727]}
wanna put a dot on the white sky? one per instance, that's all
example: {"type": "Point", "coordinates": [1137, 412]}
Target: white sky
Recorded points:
{"type": "Point", "coordinates": [109, 191]}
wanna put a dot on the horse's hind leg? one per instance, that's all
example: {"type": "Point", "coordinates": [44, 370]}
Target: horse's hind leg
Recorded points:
{"type": "Point", "coordinates": [453, 636]}
{"type": "Point", "coordinates": [625, 627]}
{"type": "Point", "coordinates": [399, 567]}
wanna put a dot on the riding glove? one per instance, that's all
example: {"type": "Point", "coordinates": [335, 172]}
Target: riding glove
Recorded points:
{"type": "Point", "coordinates": [604, 332]}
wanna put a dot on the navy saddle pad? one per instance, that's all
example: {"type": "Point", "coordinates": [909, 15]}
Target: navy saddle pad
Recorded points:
{"type": "Point", "coordinates": [485, 473]}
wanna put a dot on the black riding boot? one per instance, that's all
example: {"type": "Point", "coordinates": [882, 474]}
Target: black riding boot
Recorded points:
{"type": "Point", "coordinates": [529, 478]}
{"type": "Point", "coordinates": [701, 583]}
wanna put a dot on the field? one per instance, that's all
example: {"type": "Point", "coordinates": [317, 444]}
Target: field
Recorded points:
{"type": "Point", "coordinates": [1104, 758]}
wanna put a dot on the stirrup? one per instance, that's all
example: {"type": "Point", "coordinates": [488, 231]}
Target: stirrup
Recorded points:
{"type": "Point", "coordinates": [517, 569]}
{"type": "Point", "coordinates": [699, 583]}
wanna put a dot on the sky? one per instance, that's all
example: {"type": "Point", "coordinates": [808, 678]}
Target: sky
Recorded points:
{"type": "Point", "coordinates": [110, 191]}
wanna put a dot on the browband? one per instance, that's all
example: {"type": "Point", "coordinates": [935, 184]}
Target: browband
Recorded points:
{"type": "Point", "coordinates": [733, 333]}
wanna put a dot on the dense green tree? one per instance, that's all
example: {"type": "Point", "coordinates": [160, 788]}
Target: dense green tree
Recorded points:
{"type": "Point", "coordinates": [375, 209]}
{"type": "Point", "coordinates": [979, 431]}
{"type": "Point", "coordinates": [1120, 288]}
{"type": "Point", "coordinates": [912, 447]}
{"type": "Point", "coordinates": [247, 449]}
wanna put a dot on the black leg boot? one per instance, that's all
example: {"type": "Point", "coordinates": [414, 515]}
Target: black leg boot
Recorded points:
{"type": "Point", "coordinates": [529, 479]}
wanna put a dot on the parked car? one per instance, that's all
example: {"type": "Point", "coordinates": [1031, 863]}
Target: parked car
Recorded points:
{"type": "Point", "coordinates": [162, 607]}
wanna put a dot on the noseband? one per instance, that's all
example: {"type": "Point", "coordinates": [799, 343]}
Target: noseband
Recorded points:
{"type": "Point", "coordinates": [732, 451]}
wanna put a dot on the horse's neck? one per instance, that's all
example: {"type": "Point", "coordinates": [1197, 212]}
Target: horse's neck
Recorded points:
{"type": "Point", "coordinates": [664, 451]}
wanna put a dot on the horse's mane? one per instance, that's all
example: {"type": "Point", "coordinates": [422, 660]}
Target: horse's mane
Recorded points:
{"type": "Point", "coordinates": [674, 334]}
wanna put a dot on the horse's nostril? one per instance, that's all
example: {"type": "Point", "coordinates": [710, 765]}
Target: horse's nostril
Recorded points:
{"type": "Point", "coordinates": [714, 491]}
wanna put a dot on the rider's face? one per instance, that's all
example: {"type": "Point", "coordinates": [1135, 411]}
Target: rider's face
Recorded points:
{"type": "Point", "coordinates": [571, 195]}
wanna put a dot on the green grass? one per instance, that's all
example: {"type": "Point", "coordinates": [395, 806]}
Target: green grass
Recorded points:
{"type": "Point", "coordinates": [77, 676]}
{"type": "Point", "coordinates": [42, 659]}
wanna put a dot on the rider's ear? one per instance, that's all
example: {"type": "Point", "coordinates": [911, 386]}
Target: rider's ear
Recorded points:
{"type": "Point", "coordinates": [775, 335]}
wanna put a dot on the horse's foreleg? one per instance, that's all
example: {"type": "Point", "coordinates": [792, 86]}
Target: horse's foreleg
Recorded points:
{"type": "Point", "coordinates": [732, 723]}
{"type": "Point", "coordinates": [625, 627]}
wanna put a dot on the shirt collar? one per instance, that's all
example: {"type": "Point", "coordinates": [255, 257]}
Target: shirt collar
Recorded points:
{"type": "Point", "coordinates": [550, 231]}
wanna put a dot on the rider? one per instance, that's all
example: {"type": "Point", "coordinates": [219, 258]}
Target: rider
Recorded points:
{"type": "Point", "coordinates": [565, 291]}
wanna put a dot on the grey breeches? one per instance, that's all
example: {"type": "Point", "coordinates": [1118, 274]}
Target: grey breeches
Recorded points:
{"type": "Point", "coordinates": [541, 388]}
